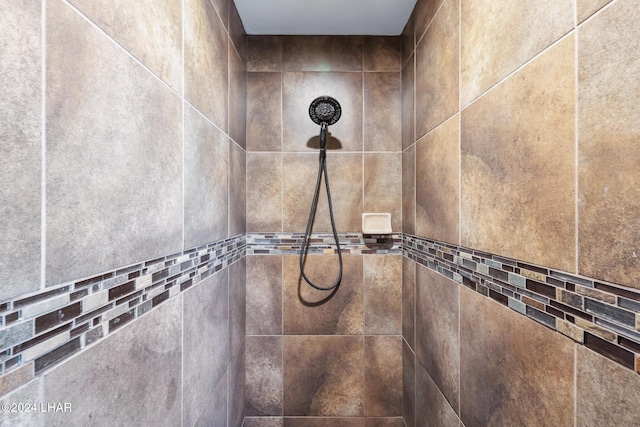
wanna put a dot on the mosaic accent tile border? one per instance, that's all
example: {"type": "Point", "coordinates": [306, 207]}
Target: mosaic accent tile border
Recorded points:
{"type": "Point", "coordinates": [602, 316]}
{"type": "Point", "coordinates": [323, 243]}
{"type": "Point", "coordinates": [40, 331]}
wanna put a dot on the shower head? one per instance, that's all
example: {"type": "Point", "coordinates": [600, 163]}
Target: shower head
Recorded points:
{"type": "Point", "coordinates": [325, 109]}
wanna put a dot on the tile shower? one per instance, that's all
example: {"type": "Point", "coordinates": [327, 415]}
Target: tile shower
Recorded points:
{"type": "Point", "coordinates": [501, 137]}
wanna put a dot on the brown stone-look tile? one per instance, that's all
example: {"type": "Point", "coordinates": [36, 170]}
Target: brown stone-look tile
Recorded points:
{"type": "Point", "coordinates": [437, 334]}
{"type": "Point", "coordinates": [323, 422]}
{"type": "Point", "coordinates": [517, 153]}
{"type": "Point", "coordinates": [106, 155]}
{"type": "Point", "coordinates": [408, 40]}
{"type": "Point", "coordinates": [264, 113]}
{"type": "Point", "coordinates": [408, 385]}
{"type": "Point", "coordinates": [215, 412]}
{"type": "Point", "coordinates": [264, 192]}
{"type": "Point", "coordinates": [264, 422]}
{"type": "Point", "coordinates": [206, 166]}
{"type": "Point", "coordinates": [324, 376]}
{"type": "Point", "coordinates": [264, 294]}
{"type": "Point", "coordinates": [382, 53]}
{"type": "Point", "coordinates": [433, 409]}
{"type": "Point", "coordinates": [237, 190]}
{"type": "Point", "coordinates": [513, 370]}
{"type": "Point", "coordinates": [237, 99]}
{"type": "Point", "coordinates": [437, 182]}
{"type": "Point", "coordinates": [437, 70]}
{"type": "Point", "coordinates": [16, 378]}
{"type": "Point", "coordinates": [237, 33]}
{"type": "Point", "coordinates": [383, 294]}
{"type": "Point", "coordinates": [300, 89]}
{"type": "Point", "coordinates": [498, 38]}
{"type": "Point", "coordinates": [345, 180]}
{"type": "Point", "coordinates": [222, 8]}
{"type": "Point", "coordinates": [382, 111]}
{"type": "Point", "coordinates": [586, 8]}
{"type": "Point", "coordinates": [322, 53]}
{"type": "Point", "coordinates": [607, 393]}
{"type": "Point", "coordinates": [608, 172]}
{"type": "Point", "coordinates": [151, 31]}
{"type": "Point", "coordinates": [408, 104]}
{"type": "Point", "coordinates": [383, 186]}
{"type": "Point", "coordinates": [206, 352]}
{"type": "Point", "coordinates": [236, 374]}
{"type": "Point", "coordinates": [409, 190]}
{"type": "Point", "coordinates": [206, 59]}
{"type": "Point", "coordinates": [21, 147]}
{"type": "Point", "coordinates": [383, 376]}
{"type": "Point", "coordinates": [424, 13]}
{"type": "Point", "coordinates": [310, 311]}
{"type": "Point", "coordinates": [142, 361]}
{"type": "Point", "coordinates": [237, 305]}
{"type": "Point", "coordinates": [264, 370]}
{"type": "Point", "coordinates": [265, 53]}
{"type": "Point", "coordinates": [408, 300]}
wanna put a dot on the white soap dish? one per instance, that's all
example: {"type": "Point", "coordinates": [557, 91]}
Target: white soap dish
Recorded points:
{"type": "Point", "coordinates": [376, 223]}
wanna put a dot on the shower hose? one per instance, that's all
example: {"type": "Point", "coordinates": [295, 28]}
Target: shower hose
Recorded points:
{"type": "Point", "coordinates": [322, 168]}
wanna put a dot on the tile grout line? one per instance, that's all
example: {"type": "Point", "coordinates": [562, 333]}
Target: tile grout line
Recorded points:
{"type": "Point", "coordinates": [43, 149]}
{"type": "Point", "coordinates": [576, 148]}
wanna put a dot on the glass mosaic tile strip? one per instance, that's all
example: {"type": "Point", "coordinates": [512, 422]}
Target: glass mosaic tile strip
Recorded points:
{"type": "Point", "coordinates": [41, 330]}
{"type": "Point", "coordinates": [604, 317]}
{"type": "Point", "coordinates": [323, 243]}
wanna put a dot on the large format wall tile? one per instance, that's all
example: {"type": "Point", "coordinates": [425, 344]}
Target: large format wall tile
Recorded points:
{"type": "Point", "coordinates": [206, 193]}
{"type": "Point", "coordinates": [237, 33]}
{"type": "Point", "coordinates": [237, 190]}
{"type": "Point", "coordinates": [382, 54]}
{"type": "Point", "coordinates": [237, 98]}
{"type": "Point", "coordinates": [437, 182]}
{"type": "Point", "coordinates": [236, 374]}
{"type": "Point", "coordinates": [20, 146]}
{"type": "Point", "coordinates": [237, 305]}
{"type": "Point", "coordinates": [408, 104]}
{"type": "Point", "coordinates": [345, 180]}
{"type": "Point", "coordinates": [264, 192]}
{"type": "Point", "coordinates": [29, 392]}
{"type": "Point", "coordinates": [433, 409]}
{"type": "Point", "coordinates": [383, 186]}
{"type": "Point", "coordinates": [323, 422]}
{"type": "Point", "coordinates": [264, 422]}
{"type": "Point", "coordinates": [517, 160]}
{"type": "Point", "coordinates": [264, 53]}
{"type": "Point", "coordinates": [141, 362]}
{"type": "Point", "coordinates": [383, 376]}
{"type": "Point", "coordinates": [423, 14]}
{"type": "Point", "coordinates": [206, 342]}
{"type": "Point", "coordinates": [310, 311]}
{"type": "Point", "coordinates": [215, 412]}
{"type": "Point", "coordinates": [382, 111]}
{"type": "Point", "coordinates": [609, 153]}
{"type": "Point", "coordinates": [104, 121]}
{"type": "Point", "coordinates": [264, 112]}
{"type": "Point", "coordinates": [408, 301]}
{"type": "Point", "coordinates": [264, 295]}
{"type": "Point", "coordinates": [322, 53]}
{"type": "Point", "coordinates": [383, 294]}
{"type": "Point", "coordinates": [323, 376]}
{"type": "Point", "coordinates": [437, 334]}
{"type": "Point", "coordinates": [409, 190]}
{"type": "Point", "coordinates": [150, 30]}
{"type": "Point", "coordinates": [607, 394]}
{"type": "Point", "coordinates": [206, 59]}
{"type": "Point", "coordinates": [264, 370]}
{"type": "Point", "coordinates": [408, 385]}
{"type": "Point", "coordinates": [437, 70]}
{"type": "Point", "coordinates": [503, 380]}
{"type": "Point", "coordinates": [300, 132]}
{"type": "Point", "coordinates": [498, 37]}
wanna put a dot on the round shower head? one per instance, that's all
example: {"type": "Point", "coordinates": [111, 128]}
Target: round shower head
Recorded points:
{"type": "Point", "coordinates": [325, 109]}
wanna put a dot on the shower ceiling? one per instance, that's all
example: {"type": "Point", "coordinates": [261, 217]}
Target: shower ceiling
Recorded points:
{"type": "Point", "coordinates": [330, 17]}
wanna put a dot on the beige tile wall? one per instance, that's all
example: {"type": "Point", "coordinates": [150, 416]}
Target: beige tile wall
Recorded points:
{"type": "Point", "coordinates": [519, 129]}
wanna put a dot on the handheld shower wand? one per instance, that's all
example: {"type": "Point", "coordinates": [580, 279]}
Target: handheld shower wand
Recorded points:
{"type": "Point", "coordinates": [324, 111]}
